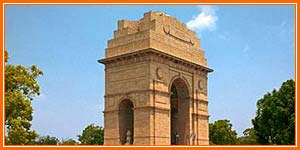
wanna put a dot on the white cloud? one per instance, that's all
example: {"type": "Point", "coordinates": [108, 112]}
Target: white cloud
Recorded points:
{"type": "Point", "coordinates": [205, 20]}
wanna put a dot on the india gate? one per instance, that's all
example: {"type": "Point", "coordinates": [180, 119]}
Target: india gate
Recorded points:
{"type": "Point", "coordinates": [155, 84]}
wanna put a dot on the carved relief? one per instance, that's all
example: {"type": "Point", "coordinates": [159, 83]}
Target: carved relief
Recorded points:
{"type": "Point", "coordinates": [200, 86]}
{"type": "Point", "coordinates": [167, 30]}
{"type": "Point", "coordinates": [159, 73]}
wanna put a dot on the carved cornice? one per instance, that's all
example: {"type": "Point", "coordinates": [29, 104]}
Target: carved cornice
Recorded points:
{"type": "Point", "coordinates": [155, 55]}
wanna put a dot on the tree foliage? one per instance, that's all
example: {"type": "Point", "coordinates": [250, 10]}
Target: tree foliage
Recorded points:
{"type": "Point", "coordinates": [249, 137]}
{"type": "Point", "coordinates": [221, 132]}
{"type": "Point", "coordinates": [5, 56]}
{"type": "Point", "coordinates": [47, 140]}
{"type": "Point", "coordinates": [92, 135]}
{"type": "Point", "coordinates": [68, 142]}
{"type": "Point", "coordinates": [20, 88]}
{"type": "Point", "coordinates": [275, 117]}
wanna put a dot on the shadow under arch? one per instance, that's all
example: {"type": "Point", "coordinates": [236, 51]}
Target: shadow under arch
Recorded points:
{"type": "Point", "coordinates": [179, 106]}
{"type": "Point", "coordinates": [183, 79]}
{"type": "Point", "coordinates": [126, 121]}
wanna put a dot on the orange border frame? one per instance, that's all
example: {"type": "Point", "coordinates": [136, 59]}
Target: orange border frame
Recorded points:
{"type": "Point", "coordinates": [153, 2]}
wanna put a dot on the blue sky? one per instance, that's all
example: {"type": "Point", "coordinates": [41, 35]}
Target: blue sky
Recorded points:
{"type": "Point", "coordinates": [250, 48]}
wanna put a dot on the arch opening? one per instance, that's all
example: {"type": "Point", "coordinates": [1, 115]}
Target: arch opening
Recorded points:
{"type": "Point", "coordinates": [126, 122]}
{"type": "Point", "coordinates": [179, 106]}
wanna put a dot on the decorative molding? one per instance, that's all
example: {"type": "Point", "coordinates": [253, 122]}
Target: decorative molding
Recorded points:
{"type": "Point", "coordinates": [154, 108]}
{"type": "Point", "coordinates": [157, 56]}
{"type": "Point", "coordinates": [201, 100]}
{"type": "Point", "coordinates": [137, 91]}
{"type": "Point", "coordinates": [160, 81]}
{"type": "Point", "coordinates": [151, 137]}
{"type": "Point", "coordinates": [111, 111]}
{"type": "Point", "coordinates": [203, 110]}
{"type": "Point", "coordinates": [160, 102]}
{"type": "Point", "coordinates": [141, 107]}
{"type": "Point", "coordinates": [202, 90]}
{"type": "Point", "coordinates": [199, 116]}
{"type": "Point", "coordinates": [175, 70]}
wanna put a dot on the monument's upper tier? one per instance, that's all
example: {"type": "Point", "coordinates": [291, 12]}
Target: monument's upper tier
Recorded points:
{"type": "Point", "coordinates": [159, 31]}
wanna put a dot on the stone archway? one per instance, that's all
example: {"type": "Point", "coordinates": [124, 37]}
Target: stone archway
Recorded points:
{"type": "Point", "coordinates": [143, 67]}
{"type": "Point", "coordinates": [126, 122]}
{"type": "Point", "coordinates": [179, 106]}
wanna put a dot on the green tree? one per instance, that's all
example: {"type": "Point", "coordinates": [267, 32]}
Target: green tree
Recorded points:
{"type": "Point", "coordinates": [92, 135]}
{"type": "Point", "coordinates": [275, 116]}
{"type": "Point", "coordinates": [68, 142]}
{"type": "Point", "coordinates": [20, 88]}
{"type": "Point", "coordinates": [249, 137]}
{"type": "Point", "coordinates": [221, 132]}
{"type": "Point", "coordinates": [6, 56]}
{"type": "Point", "coordinates": [47, 140]}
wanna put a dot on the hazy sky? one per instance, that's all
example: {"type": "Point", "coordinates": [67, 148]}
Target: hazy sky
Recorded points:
{"type": "Point", "coordinates": [250, 48]}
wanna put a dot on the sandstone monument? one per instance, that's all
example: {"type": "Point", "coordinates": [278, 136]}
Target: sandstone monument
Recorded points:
{"type": "Point", "coordinates": [155, 84]}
